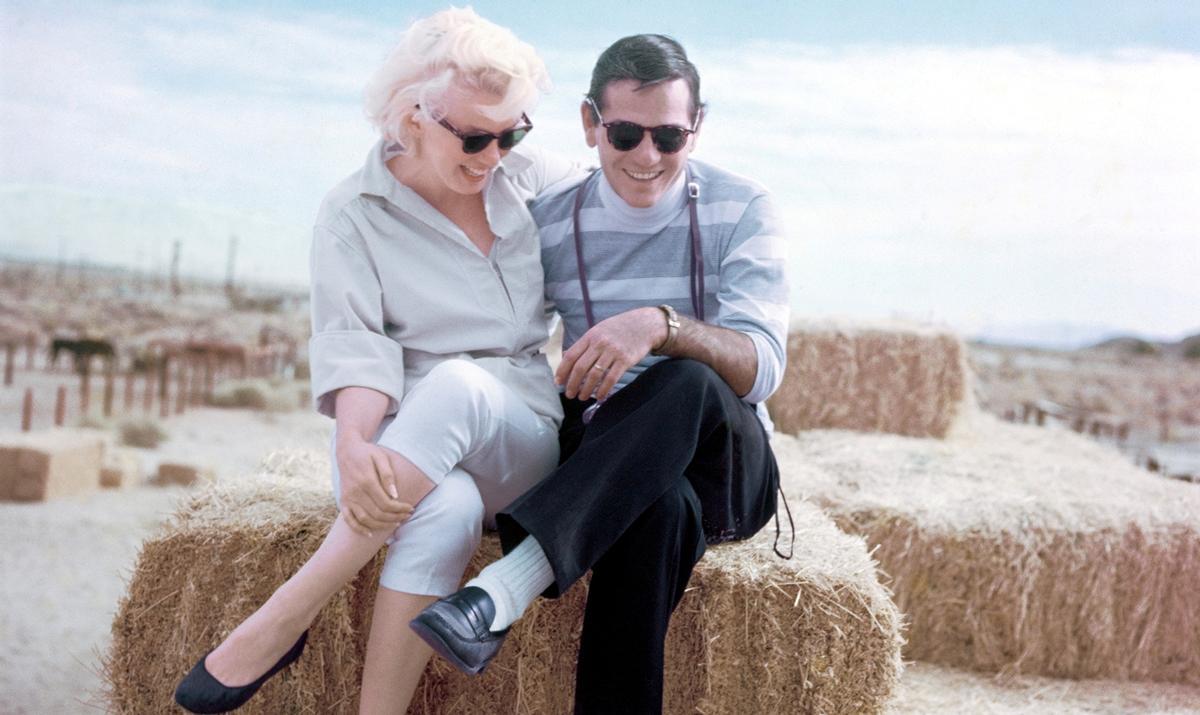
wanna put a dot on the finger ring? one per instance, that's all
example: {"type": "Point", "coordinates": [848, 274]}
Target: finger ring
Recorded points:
{"type": "Point", "coordinates": [597, 367]}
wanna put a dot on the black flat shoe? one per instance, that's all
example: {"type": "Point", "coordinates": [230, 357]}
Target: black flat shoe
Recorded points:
{"type": "Point", "coordinates": [457, 628]}
{"type": "Point", "coordinates": [200, 692]}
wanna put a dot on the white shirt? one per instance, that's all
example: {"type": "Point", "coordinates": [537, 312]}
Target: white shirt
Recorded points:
{"type": "Point", "coordinates": [397, 287]}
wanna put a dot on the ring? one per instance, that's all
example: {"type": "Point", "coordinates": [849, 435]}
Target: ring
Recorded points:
{"type": "Point", "coordinates": [597, 367]}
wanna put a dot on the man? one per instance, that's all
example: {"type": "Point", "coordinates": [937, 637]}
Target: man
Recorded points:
{"type": "Point", "coordinates": [669, 275]}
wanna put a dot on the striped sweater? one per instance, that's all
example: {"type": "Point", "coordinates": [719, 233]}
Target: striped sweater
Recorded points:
{"type": "Point", "coordinates": [640, 257]}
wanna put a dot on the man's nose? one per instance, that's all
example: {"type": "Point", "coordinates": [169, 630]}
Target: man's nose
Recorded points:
{"type": "Point", "coordinates": [645, 152]}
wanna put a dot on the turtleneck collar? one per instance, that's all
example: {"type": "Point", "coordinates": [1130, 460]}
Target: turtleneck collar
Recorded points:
{"type": "Point", "coordinates": [650, 219]}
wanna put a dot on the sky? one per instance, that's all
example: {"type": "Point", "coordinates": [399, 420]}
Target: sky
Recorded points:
{"type": "Point", "coordinates": [1024, 169]}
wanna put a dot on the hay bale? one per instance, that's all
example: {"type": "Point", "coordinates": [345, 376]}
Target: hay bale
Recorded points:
{"type": "Point", "coordinates": [753, 633]}
{"type": "Point", "coordinates": [121, 468]}
{"type": "Point", "coordinates": [174, 474]}
{"type": "Point", "coordinates": [1018, 549]}
{"type": "Point", "coordinates": [37, 466]}
{"type": "Point", "coordinates": [883, 377]}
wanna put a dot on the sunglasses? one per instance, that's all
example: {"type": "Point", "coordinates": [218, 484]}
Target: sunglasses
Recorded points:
{"type": "Point", "coordinates": [626, 136]}
{"type": "Point", "coordinates": [476, 142]}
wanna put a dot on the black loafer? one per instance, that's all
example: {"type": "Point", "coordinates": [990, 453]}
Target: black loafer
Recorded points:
{"type": "Point", "coordinates": [200, 692]}
{"type": "Point", "coordinates": [457, 628]}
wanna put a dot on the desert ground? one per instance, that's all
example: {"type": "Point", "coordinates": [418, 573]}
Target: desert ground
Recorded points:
{"type": "Point", "coordinates": [65, 562]}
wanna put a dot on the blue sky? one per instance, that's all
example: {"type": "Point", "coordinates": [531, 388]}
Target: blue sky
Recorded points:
{"type": "Point", "coordinates": [981, 164]}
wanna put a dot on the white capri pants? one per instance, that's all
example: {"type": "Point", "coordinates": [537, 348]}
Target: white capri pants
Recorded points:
{"type": "Point", "coordinates": [482, 446]}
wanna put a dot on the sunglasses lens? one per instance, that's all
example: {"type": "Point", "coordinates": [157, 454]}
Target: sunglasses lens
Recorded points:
{"type": "Point", "coordinates": [668, 140]}
{"type": "Point", "coordinates": [625, 135]}
{"type": "Point", "coordinates": [512, 137]}
{"type": "Point", "coordinates": [476, 143]}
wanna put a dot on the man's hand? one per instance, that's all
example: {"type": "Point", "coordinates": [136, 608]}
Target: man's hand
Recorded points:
{"type": "Point", "coordinates": [370, 496]}
{"type": "Point", "coordinates": [598, 359]}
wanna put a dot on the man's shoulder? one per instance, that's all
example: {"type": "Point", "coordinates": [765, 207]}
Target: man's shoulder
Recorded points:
{"type": "Point", "coordinates": [718, 184]}
{"type": "Point", "coordinates": [556, 201]}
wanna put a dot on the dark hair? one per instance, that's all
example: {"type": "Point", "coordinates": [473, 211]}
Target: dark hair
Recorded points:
{"type": "Point", "coordinates": [649, 59]}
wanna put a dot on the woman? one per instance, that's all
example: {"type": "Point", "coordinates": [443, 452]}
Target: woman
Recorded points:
{"type": "Point", "coordinates": [427, 325]}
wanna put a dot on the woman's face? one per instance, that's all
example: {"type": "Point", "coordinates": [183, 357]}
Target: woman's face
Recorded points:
{"type": "Point", "coordinates": [441, 152]}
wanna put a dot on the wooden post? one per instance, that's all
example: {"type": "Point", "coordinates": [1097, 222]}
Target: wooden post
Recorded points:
{"type": "Point", "coordinates": [197, 387]}
{"type": "Point", "coordinates": [60, 406]}
{"type": "Point", "coordinates": [128, 402]}
{"type": "Point", "coordinates": [27, 410]}
{"type": "Point", "coordinates": [148, 390]}
{"type": "Point", "coordinates": [109, 377]}
{"type": "Point", "coordinates": [30, 348]}
{"type": "Point", "coordinates": [164, 389]}
{"type": "Point", "coordinates": [208, 377]}
{"type": "Point", "coordinates": [181, 388]}
{"type": "Point", "coordinates": [10, 352]}
{"type": "Point", "coordinates": [85, 390]}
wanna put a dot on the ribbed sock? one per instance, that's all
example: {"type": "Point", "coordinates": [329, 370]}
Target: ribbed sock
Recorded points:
{"type": "Point", "coordinates": [514, 581]}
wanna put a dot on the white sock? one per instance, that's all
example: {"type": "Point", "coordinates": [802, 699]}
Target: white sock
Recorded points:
{"type": "Point", "coordinates": [514, 581]}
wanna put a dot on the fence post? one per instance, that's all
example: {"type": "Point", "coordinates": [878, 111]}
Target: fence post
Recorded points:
{"type": "Point", "coordinates": [60, 406]}
{"type": "Point", "coordinates": [164, 390]}
{"type": "Point", "coordinates": [10, 352]}
{"type": "Point", "coordinates": [30, 347]}
{"type": "Point", "coordinates": [128, 390]}
{"type": "Point", "coordinates": [85, 390]}
{"type": "Point", "coordinates": [181, 388]}
{"type": "Point", "coordinates": [109, 377]}
{"type": "Point", "coordinates": [27, 410]}
{"type": "Point", "coordinates": [148, 390]}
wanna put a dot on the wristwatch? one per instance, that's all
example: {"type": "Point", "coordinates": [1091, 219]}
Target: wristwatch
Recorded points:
{"type": "Point", "coordinates": [672, 330]}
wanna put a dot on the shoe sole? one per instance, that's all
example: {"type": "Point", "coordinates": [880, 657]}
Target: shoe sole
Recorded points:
{"type": "Point", "coordinates": [435, 641]}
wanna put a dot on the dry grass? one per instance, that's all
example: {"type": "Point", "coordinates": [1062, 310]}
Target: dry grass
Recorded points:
{"type": "Point", "coordinates": [753, 633]}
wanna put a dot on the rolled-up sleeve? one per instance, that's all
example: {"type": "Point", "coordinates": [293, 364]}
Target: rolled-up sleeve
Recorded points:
{"type": "Point", "coordinates": [753, 296]}
{"type": "Point", "coordinates": [349, 346]}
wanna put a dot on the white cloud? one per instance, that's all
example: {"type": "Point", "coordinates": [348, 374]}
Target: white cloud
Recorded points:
{"type": "Point", "coordinates": [972, 185]}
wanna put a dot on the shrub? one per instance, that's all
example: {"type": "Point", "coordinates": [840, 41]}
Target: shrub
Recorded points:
{"type": "Point", "coordinates": [142, 433]}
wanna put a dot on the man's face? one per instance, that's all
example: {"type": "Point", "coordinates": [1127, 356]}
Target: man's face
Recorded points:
{"type": "Point", "coordinates": [641, 175]}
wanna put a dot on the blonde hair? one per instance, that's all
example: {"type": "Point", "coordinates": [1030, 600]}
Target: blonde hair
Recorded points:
{"type": "Point", "coordinates": [454, 46]}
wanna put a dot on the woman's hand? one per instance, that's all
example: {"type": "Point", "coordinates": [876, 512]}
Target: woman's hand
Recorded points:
{"type": "Point", "coordinates": [369, 498]}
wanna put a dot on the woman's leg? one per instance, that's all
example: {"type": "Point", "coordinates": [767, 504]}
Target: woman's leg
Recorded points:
{"type": "Point", "coordinates": [396, 657]}
{"type": "Point", "coordinates": [260, 640]}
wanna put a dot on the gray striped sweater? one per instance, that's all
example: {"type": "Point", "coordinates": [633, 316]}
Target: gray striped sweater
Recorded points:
{"type": "Point", "coordinates": [639, 257]}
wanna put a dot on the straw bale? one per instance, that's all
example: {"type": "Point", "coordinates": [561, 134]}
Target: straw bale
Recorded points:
{"type": "Point", "coordinates": [181, 475]}
{"type": "Point", "coordinates": [881, 377]}
{"type": "Point", "coordinates": [1019, 549]}
{"type": "Point", "coordinates": [36, 466]}
{"type": "Point", "coordinates": [752, 634]}
{"type": "Point", "coordinates": [122, 468]}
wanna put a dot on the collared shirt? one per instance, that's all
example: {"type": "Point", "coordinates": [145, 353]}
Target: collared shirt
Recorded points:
{"type": "Point", "coordinates": [397, 287]}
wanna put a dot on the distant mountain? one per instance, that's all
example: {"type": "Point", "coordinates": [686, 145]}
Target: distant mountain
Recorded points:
{"type": "Point", "coordinates": [1051, 335]}
{"type": "Point", "coordinates": [1188, 347]}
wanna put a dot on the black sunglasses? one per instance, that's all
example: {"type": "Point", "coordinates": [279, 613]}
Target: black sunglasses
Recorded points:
{"type": "Point", "coordinates": [476, 142]}
{"type": "Point", "coordinates": [625, 136]}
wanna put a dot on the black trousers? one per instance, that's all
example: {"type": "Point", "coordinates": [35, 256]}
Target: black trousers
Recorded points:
{"type": "Point", "coordinates": [673, 461]}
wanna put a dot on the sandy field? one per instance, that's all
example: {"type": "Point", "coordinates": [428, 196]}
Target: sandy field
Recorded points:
{"type": "Point", "coordinates": [65, 562]}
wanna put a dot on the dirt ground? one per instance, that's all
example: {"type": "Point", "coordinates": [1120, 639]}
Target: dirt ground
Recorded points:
{"type": "Point", "coordinates": [64, 565]}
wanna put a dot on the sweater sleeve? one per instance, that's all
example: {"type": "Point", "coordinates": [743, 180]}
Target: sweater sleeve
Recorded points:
{"type": "Point", "coordinates": [349, 346]}
{"type": "Point", "coordinates": [753, 295]}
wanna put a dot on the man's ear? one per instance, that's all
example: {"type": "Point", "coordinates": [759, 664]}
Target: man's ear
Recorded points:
{"type": "Point", "coordinates": [589, 123]}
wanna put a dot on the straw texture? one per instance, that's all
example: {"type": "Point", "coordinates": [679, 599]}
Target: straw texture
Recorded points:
{"type": "Point", "coordinates": [882, 377]}
{"type": "Point", "coordinates": [1019, 549]}
{"type": "Point", "coordinates": [753, 633]}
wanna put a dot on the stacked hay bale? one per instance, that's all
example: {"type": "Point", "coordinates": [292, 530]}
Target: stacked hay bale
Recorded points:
{"type": "Point", "coordinates": [37, 466]}
{"type": "Point", "coordinates": [753, 633]}
{"type": "Point", "coordinates": [1008, 548]}
{"type": "Point", "coordinates": [877, 377]}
